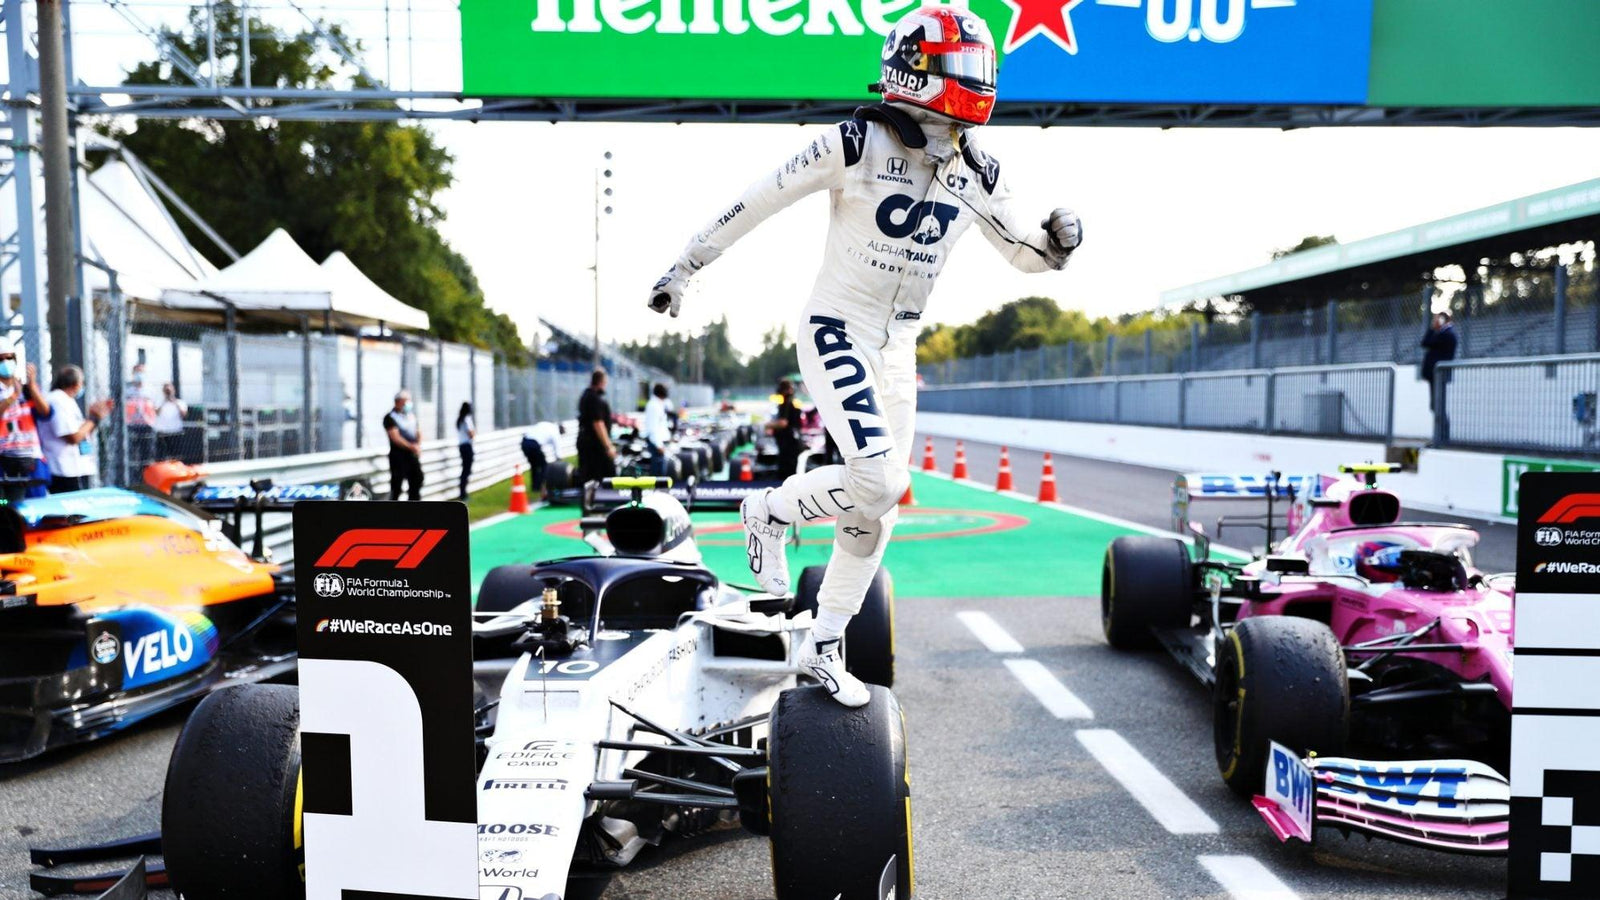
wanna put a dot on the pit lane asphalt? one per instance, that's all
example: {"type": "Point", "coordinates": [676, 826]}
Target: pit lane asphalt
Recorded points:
{"type": "Point", "coordinates": [1007, 802]}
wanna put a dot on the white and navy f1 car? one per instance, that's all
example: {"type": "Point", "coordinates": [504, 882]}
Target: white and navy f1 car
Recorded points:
{"type": "Point", "coordinates": [624, 698]}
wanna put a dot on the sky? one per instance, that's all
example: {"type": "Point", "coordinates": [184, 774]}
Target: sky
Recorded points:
{"type": "Point", "coordinates": [1161, 209]}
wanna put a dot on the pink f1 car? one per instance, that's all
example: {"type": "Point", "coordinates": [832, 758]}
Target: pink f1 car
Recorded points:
{"type": "Point", "coordinates": [1354, 633]}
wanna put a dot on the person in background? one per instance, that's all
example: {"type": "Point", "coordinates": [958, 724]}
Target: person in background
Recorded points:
{"type": "Point", "coordinates": [20, 405]}
{"type": "Point", "coordinates": [466, 430]}
{"type": "Point", "coordinates": [540, 447]}
{"type": "Point", "coordinates": [785, 428]}
{"type": "Point", "coordinates": [658, 428]}
{"type": "Point", "coordinates": [1440, 343]}
{"type": "Point", "coordinates": [139, 414]}
{"type": "Point", "coordinates": [67, 437]}
{"type": "Point", "coordinates": [597, 457]}
{"type": "Point", "coordinates": [168, 424]}
{"type": "Point", "coordinates": [405, 448]}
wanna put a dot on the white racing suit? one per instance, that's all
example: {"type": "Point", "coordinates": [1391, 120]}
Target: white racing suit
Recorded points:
{"type": "Point", "coordinates": [902, 192]}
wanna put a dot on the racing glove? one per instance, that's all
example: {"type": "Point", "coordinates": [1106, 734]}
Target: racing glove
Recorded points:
{"type": "Point", "coordinates": [1065, 230]}
{"type": "Point", "coordinates": [667, 295]}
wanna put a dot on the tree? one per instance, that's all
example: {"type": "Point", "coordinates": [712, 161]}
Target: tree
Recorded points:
{"type": "Point", "coordinates": [1309, 242]}
{"type": "Point", "coordinates": [1033, 322]}
{"type": "Point", "coordinates": [368, 189]}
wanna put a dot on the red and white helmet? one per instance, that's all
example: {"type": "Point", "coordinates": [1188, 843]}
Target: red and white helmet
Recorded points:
{"type": "Point", "coordinates": [941, 58]}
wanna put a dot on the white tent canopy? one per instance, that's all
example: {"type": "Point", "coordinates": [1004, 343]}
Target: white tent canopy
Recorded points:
{"type": "Point", "coordinates": [126, 228]}
{"type": "Point", "coordinates": [279, 276]}
{"type": "Point", "coordinates": [357, 295]}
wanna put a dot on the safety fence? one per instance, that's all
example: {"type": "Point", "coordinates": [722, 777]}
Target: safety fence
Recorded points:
{"type": "Point", "coordinates": [1557, 313]}
{"type": "Point", "coordinates": [1541, 404]}
{"type": "Point", "coordinates": [1329, 401]}
{"type": "Point", "coordinates": [497, 453]}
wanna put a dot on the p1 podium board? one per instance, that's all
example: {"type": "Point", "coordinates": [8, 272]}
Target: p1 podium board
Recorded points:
{"type": "Point", "coordinates": [1555, 725]}
{"type": "Point", "coordinates": [386, 700]}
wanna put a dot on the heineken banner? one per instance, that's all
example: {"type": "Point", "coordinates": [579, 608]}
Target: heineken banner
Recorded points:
{"type": "Point", "coordinates": [1272, 52]}
{"type": "Point", "coordinates": [1229, 51]}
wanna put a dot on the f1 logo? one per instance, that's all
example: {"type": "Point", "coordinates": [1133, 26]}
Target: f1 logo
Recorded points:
{"type": "Point", "coordinates": [407, 547]}
{"type": "Point", "coordinates": [897, 166]}
{"type": "Point", "coordinates": [1572, 508]}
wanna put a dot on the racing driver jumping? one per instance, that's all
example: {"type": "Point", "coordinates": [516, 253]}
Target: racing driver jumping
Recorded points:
{"type": "Point", "coordinates": [906, 180]}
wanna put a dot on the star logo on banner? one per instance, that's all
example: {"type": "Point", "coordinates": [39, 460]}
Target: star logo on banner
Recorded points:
{"type": "Point", "coordinates": [1052, 18]}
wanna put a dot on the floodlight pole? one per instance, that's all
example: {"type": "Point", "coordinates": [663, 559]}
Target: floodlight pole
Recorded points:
{"type": "Point", "coordinates": [596, 268]}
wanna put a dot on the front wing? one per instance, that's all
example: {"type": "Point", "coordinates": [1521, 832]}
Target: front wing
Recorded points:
{"type": "Point", "coordinates": [1453, 805]}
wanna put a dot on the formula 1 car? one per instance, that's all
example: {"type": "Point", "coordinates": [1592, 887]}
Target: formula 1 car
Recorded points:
{"type": "Point", "coordinates": [652, 699]}
{"type": "Point", "coordinates": [116, 605]}
{"type": "Point", "coordinates": [1354, 632]}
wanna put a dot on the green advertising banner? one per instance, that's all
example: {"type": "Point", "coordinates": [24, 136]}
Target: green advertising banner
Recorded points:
{"type": "Point", "coordinates": [1513, 467]}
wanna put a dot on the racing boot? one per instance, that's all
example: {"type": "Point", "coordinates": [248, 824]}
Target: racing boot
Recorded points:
{"type": "Point", "coordinates": [826, 665]}
{"type": "Point", "coordinates": [765, 536]}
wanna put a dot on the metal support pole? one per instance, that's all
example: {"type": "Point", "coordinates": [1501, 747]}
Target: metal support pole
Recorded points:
{"type": "Point", "coordinates": [438, 389]}
{"type": "Point", "coordinates": [1183, 402]}
{"type": "Point", "coordinates": [1194, 346]}
{"type": "Point", "coordinates": [56, 145]}
{"type": "Point", "coordinates": [1110, 366]}
{"type": "Point", "coordinates": [1332, 337]}
{"type": "Point", "coordinates": [117, 340]}
{"type": "Point", "coordinates": [597, 268]}
{"type": "Point", "coordinates": [306, 403]}
{"type": "Point", "coordinates": [244, 46]}
{"type": "Point", "coordinates": [361, 414]}
{"type": "Point", "coordinates": [1072, 352]}
{"type": "Point", "coordinates": [21, 68]}
{"type": "Point", "coordinates": [230, 322]}
{"type": "Point", "coordinates": [472, 379]}
{"type": "Point", "coordinates": [177, 377]}
{"type": "Point", "coordinates": [1561, 309]}
{"type": "Point", "coordinates": [1149, 359]}
{"type": "Point", "coordinates": [1255, 340]}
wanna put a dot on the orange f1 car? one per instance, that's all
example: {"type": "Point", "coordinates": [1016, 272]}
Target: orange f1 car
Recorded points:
{"type": "Point", "coordinates": [116, 605]}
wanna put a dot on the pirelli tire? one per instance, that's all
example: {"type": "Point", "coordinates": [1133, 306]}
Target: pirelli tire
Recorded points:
{"type": "Point", "coordinates": [557, 476]}
{"type": "Point", "coordinates": [719, 457]}
{"type": "Point", "coordinates": [1279, 678]}
{"type": "Point", "coordinates": [1146, 583]}
{"type": "Point", "coordinates": [847, 768]}
{"type": "Point", "coordinates": [688, 461]}
{"type": "Point", "coordinates": [230, 824]}
{"type": "Point", "coordinates": [869, 638]}
{"type": "Point", "coordinates": [506, 587]}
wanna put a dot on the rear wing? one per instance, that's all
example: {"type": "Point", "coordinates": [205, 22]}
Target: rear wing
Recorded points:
{"type": "Point", "coordinates": [1220, 486]}
{"type": "Point", "coordinates": [698, 496]}
{"type": "Point", "coordinates": [231, 503]}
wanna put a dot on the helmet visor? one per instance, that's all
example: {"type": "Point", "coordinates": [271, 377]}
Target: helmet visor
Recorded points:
{"type": "Point", "coordinates": [972, 64]}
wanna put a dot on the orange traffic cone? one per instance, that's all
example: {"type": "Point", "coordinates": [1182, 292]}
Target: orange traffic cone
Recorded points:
{"type": "Point", "coordinates": [745, 472]}
{"type": "Point", "coordinates": [519, 492]}
{"type": "Point", "coordinates": [906, 499]}
{"type": "Point", "coordinates": [1047, 482]}
{"type": "Point", "coordinates": [928, 465]}
{"type": "Point", "coordinates": [1003, 482]}
{"type": "Point", "coordinates": [959, 470]}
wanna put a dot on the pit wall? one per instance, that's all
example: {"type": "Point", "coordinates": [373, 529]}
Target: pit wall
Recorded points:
{"type": "Point", "coordinates": [1479, 485]}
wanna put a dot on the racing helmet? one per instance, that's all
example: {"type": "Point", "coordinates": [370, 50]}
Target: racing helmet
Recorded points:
{"type": "Point", "coordinates": [1378, 561]}
{"type": "Point", "coordinates": [942, 59]}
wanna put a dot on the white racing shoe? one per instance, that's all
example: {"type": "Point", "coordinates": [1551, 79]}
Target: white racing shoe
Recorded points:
{"type": "Point", "coordinates": [826, 665]}
{"type": "Point", "coordinates": [765, 537]}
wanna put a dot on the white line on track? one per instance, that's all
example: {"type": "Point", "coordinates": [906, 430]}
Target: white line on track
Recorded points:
{"type": "Point", "coordinates": [1160, 797]}
{"type": "Point", "coordinates": [1048, 690]}
{"type": "Point", "coordinates": [987, 630]}
{"type": "Point", "coordinates": [1245, 878]}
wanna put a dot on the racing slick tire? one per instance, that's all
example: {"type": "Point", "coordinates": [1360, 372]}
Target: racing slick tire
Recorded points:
{"type": "Point", "coordinates": [839, 796]}
{"type": "Point", "coordinates": [719, 458]}
{"type": "Point", "coordinates": [228, 817]}
{"type": "Point", "coordinates": [673, 468]}
{"type": "Point", "coordinates": [557, 476]}
{"type": "Point", "coordinates": [869, 638]}
{"type": "Point", "coordinates": [688, 463]}
{"type": "Point", "coordinates": [505, 587]}
{"type": "Point", "coordinates": [1145, 583]}
{"type": "Point", "coordinates": [1279, 678]}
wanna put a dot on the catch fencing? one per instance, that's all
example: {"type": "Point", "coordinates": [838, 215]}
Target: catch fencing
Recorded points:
{"type": "Point", "coordinates": [210, 396]}
{"type": "Point", "coordinates": [497, 454]}
{"type": "Point", "coordinates": [1542, 404]}
{"type": "Point", "coordinates": [1324, 401]}
{"type": "Point", "coordinates": [1553, 314]}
